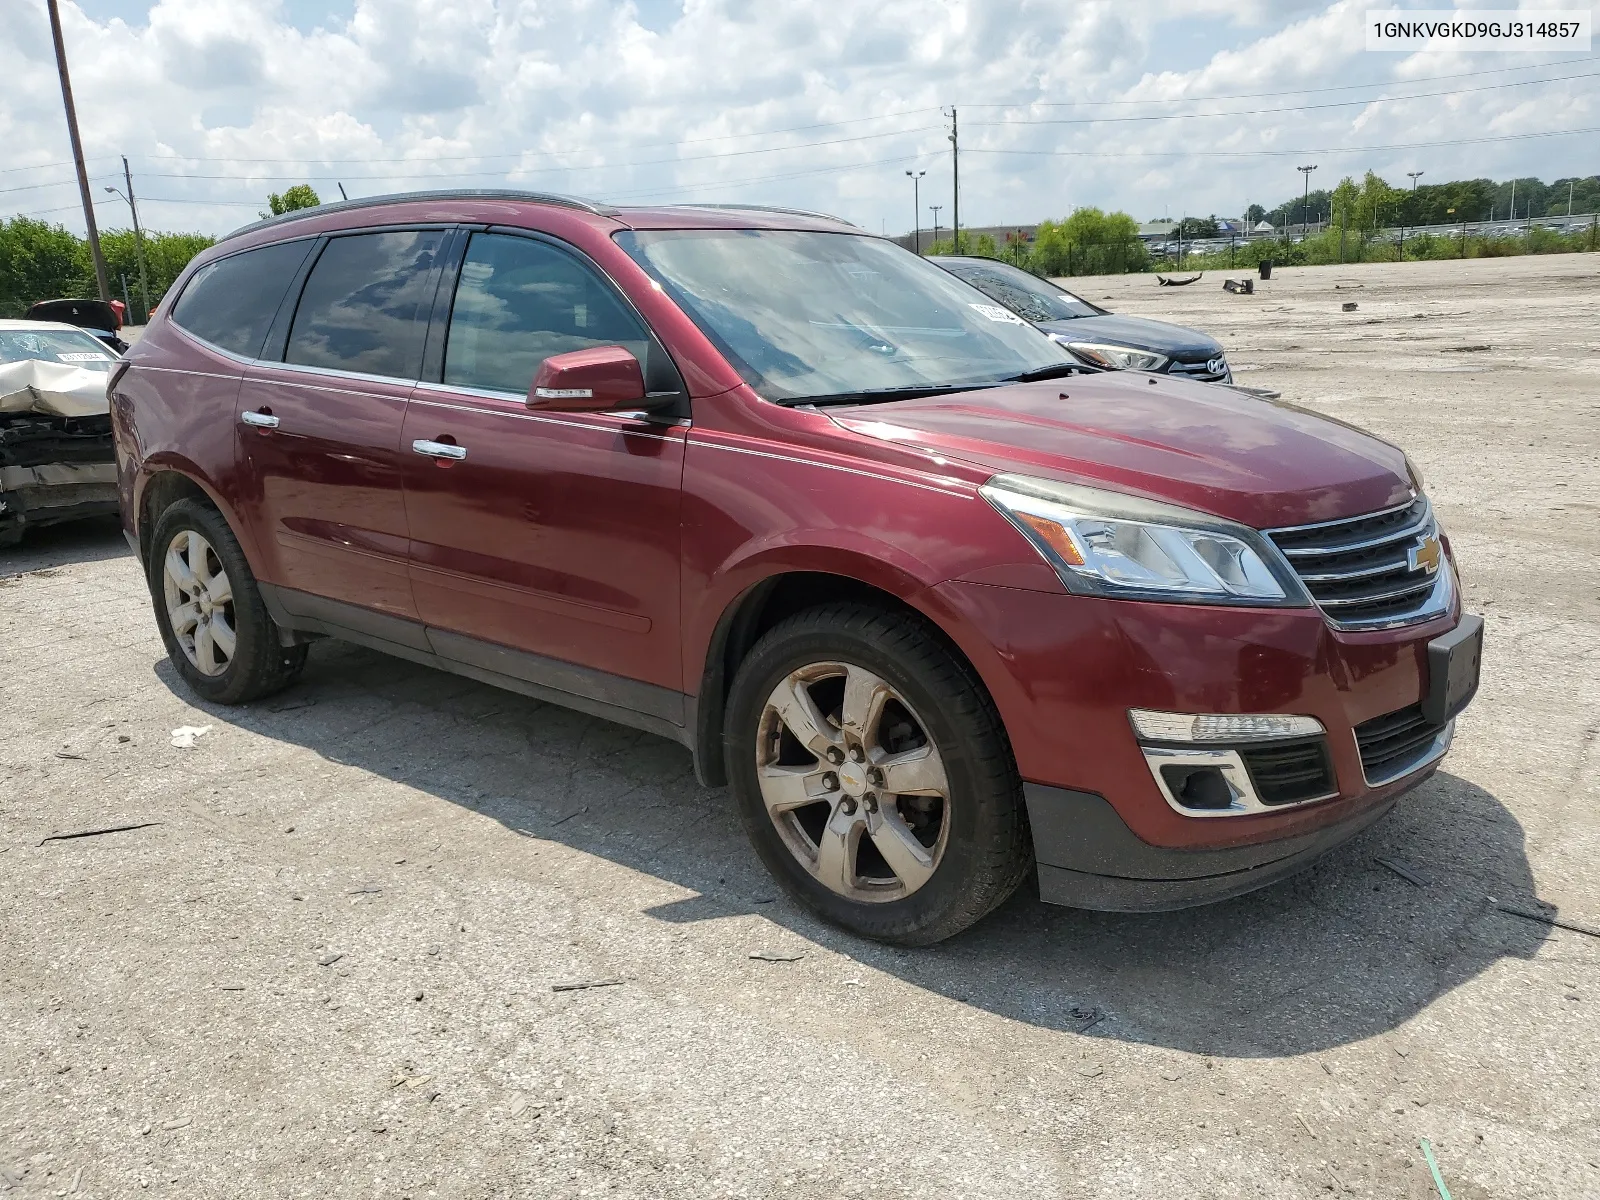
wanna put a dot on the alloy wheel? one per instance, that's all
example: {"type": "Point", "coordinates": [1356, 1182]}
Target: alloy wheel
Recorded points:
{"type": "Point", "coordinates": [853, 782]}
{"type": "Point", "coordinates": [199, 599]}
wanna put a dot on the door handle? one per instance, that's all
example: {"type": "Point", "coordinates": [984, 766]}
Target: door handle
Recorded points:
{"type": "Point", "coordinates": [439, 449]}
{"type": "Point", "coordinates": [261, 420]}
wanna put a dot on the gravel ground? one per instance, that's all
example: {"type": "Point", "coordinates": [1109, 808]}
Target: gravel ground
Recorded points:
{"type": "Point", "coordinates": [326, 964]}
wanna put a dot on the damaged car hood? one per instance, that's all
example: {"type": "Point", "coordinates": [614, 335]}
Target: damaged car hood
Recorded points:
{"type": "Point", "coordinates": [52, 389]}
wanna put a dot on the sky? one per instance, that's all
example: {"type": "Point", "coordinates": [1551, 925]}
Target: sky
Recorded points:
{"type": "Point", "coordinates": [1157, 108]}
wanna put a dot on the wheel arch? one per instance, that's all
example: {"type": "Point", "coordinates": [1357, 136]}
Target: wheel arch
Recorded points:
{"type": "Point", "coordinates": [165, 482]}
{"type": "Point", "coordinates": [778, 594]}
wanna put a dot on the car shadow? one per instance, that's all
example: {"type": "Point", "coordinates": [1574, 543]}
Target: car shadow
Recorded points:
{"type": "Point", "coordinates": [1348, 949]}
{"type": "Point", "coordinates": [92, 539]}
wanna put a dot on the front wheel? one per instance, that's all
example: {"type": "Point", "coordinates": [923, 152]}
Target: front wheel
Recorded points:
{"type": "Point", "coordinates": [873, 775]}
{"type": "Point", "coordinates": [210, 612]}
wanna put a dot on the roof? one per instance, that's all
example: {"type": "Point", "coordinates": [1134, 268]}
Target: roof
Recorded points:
{"type": "Point", "coordinates": [709, 216]}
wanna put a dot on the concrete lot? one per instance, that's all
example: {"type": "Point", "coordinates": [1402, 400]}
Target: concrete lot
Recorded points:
{"type": "Point", "coordinates": [174, 1019]}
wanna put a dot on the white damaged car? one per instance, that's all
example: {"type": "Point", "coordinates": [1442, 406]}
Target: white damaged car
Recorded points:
{"type": "Point", "coordinates": [56, 457]}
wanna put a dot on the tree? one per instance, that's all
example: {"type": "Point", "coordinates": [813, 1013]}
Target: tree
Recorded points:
{"type": "Point", "coordinates": [40, 262]}
{"type": "Point", "coordinates": [1199, 227]}
{"type": "Point", "coordinates": [1254, 215]}
{"type": "Point", "coordinates": [1090, 241]}
{"type": "Point", "coordinates": [1377, 200]}
{"type": "Point", "coordinates": [299, 196]}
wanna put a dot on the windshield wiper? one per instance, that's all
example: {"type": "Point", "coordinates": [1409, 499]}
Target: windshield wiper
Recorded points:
{"type": "Point", "coordinates": [878, 395]}
{"type": "Point", "coordinates": [1058, 371]}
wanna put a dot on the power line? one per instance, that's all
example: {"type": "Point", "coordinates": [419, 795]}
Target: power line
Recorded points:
{"type": "Point", "coordinates": [1211, 153]}
{"type": "Point", "coordinates": [1257, 112]}
{"type": "Point", "coordinates": [1341, 87]}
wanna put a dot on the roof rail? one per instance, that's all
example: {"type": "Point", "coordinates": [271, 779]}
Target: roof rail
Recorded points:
{"type": "Point", "coordinates": [592, 206]}
{"type": "Point", "coordinates": [774, 208]}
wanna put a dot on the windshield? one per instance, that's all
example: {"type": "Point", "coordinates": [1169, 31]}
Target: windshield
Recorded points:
{"type": "Point", "coordinates": [54, 345]}
{"type": "Point", "coordinates": [806, 316]}
{"type": "Point", "coordinates": [1025, 294]}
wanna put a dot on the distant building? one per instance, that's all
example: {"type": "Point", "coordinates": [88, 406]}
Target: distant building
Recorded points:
{"type": "Point", "coordinates": [1157, 231]}
{"type": "Point", "coordinates": [1263, 227]}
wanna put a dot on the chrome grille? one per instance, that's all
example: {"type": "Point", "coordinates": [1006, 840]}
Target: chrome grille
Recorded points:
{"type": "Point", "coordinates": [1363, 572]}
{"type": "Point", "coordinates": [1200, 371]}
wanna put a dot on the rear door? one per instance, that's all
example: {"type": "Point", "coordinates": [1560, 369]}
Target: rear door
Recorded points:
{"type": "Point", "coordinates": [552, 535]}
{"type": "Point", "coordinates": [321, 428]}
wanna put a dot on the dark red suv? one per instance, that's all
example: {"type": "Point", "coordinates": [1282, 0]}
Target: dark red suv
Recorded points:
{"type": "Point", "coordinates": [934, 603]}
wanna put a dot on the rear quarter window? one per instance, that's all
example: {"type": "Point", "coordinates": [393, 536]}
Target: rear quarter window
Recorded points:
{"type": "Point", "coordinates": [231, 302]}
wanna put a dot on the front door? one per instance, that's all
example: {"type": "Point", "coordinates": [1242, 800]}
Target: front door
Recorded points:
{"type": "Point", "coordinates": [544, 545]}
{"type": "Point", "coordinates": [321, 429]}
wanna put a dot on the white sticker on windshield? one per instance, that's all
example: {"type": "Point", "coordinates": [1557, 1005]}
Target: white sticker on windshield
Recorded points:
{"type": "Point", "coordinates": [995, 313]}
{"type": "Point", "coordinates": [83, 356]}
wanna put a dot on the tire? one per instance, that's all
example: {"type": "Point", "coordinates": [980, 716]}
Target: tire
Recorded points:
{"type": "Point", "coordinates": [934, 862]}
{"type": "Point", "coordinates": [257, 664]}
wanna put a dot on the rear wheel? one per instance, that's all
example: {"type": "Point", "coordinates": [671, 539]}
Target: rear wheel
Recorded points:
{"type": "Point", "coordinates": [873, 775]}
{"type": "Point", "coordinates": [210, 612]}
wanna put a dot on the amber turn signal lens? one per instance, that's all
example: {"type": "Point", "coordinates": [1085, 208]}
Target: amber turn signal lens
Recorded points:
{"type": "Point", "coordinates": [1054, 536]}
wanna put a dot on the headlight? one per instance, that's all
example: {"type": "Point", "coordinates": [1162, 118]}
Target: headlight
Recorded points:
{"type": "Point", "coordinates": [1116, 358]}
{"type": "Point", "coordinates": [1108, 544]}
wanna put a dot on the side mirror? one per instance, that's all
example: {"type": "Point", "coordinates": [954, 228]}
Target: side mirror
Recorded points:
{"type": "Point", "coordinates": [594, 380]}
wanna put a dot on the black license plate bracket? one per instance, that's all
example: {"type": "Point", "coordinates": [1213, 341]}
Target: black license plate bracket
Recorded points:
{"type": "Point", "coordinates": [1455, 661]}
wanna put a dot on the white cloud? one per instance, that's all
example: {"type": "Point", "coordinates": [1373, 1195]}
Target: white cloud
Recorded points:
{"type": "Point", "coordinates": [217, 102]}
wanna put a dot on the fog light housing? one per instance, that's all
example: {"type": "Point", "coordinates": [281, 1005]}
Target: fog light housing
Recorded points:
{"type": "Point", "coordinates": [1153, 726]}
{"type": "Point", "coordinates": [1203, 788]}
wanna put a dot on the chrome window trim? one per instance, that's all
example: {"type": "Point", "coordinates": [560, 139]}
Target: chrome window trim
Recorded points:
{"type": "Point", "coordinates": [1234, 773]}
{"type": "Point", "coordinates": [539, 418]}
{"type": "Point", "coordinates": [1426, 757]}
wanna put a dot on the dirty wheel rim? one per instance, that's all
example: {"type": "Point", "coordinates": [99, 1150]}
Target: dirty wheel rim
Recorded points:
{"type": "Point", "coordinates": [199, 599]}
{"type": "Point", "coordinates": [853, 782]}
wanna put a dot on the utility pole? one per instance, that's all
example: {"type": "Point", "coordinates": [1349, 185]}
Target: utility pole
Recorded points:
{"type": "Point", "coordinates": [1569, 197]}
{"type": "Point", "coordinates": [138, 234]}
{"type": "Point", "coordinates": [955, 187]}
{"type": "Point", "coordinates": [77, 154]}
{"type": "Point", "coordinates": [1413, 175]}
{"type": "Point", "coordinates": [916, 209]}
{"type": "Point", "coordinates": [934, 209]}
{"type": "Point", "coordinates": [1513, 215]}
{"type": "Point", "coordinates": [1306, 199]}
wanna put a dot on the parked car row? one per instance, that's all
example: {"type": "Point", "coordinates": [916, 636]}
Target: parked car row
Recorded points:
{"type": "Point", "coordinates": [943, 611]}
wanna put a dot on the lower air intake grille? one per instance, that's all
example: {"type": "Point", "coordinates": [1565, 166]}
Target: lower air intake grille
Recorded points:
{"type": "Point", "coordinates": [1395, 743]}
{"type": "Point", "coordinates": [1289, 772]}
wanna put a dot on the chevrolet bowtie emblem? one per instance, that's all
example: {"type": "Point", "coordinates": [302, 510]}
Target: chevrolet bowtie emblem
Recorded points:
{"type": "Point", "coordinates": [1425, 555]}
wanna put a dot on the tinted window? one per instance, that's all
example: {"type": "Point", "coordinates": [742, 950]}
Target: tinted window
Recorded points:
{"type": "Point", "coordinates": [231, 302]}
{"type": "Point", "coordinates": [366, 303]}
{"type": "Point", "coordinates": [520, 301]}
{"type": "Point", "coordinates": [1024, 294]}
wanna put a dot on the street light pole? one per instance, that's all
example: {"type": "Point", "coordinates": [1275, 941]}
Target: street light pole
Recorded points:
{"type": "Point", "coordinates": [1305, 200]}
{"type": "Point", "coordinates": [1413, 175]}
{"type": "Point", "coordinates": [77, 155]}
{"type": "Point", "coordinates": [138, 234]}
{"type": "Point", "coordinates": [916, 209]}
{"type": "Point", "coordinates": [955, 186]}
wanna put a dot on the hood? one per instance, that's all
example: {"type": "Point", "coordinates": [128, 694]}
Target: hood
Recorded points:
{"type": "Point", "coordinates": [52, 389]}
{"type": "Point", "coordinates": [1185, 345]}
{"type": "Point", "coordinates": [1261, 462]}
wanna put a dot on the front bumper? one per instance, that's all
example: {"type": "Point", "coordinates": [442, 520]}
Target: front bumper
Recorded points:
{"type": "Point", "coordinates": [1064, 671]}
{"type": "Point", "coordinates": [1095, 861]}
